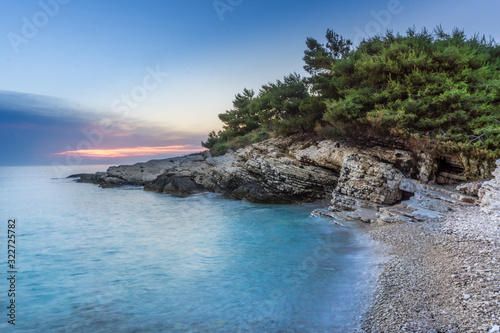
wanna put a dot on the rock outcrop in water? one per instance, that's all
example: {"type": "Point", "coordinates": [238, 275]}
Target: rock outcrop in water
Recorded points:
{"type": "Point", "coordinates": [264, 172]}
{"type": "Point", "coordinates": [370, 183]}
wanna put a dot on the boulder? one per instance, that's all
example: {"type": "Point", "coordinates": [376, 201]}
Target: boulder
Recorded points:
{"type": "Point", "coordinates": [471, 189]}
{"type": "Point", "coordinates": [489, 194]}
{"type": "Point", "coordinates": [364, 177]}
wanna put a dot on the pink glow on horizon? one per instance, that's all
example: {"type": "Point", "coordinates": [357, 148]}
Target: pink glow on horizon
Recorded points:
{"type": "Point", "coordinates": [130, 152]}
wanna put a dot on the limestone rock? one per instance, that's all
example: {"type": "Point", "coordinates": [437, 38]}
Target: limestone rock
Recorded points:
{"type": "Point", "coordinates": [428, 203]}
{"type": "Point", "coordinates": [142, 173]}
{"type": "Point", "coordinates": [489, 194]}
{"type": "Point", "coordinates": [363, 177]}
{"type": "Point", "coordinates": [410, 185]}
{"type": "Point", "coordinates": [426, 167]}
{"type": "Point", "coordinates": [93, 178]}
{"type": "Point", "coordinates": [464, 198]}
{"type": "Point", "coordinates": [361, 181]}
{"type": "Point", "coordinates": [471, 189]}
{"type": "Point", "coordinates": [327, 154]}
{"type": "Point", "coordinates": [262, 172]}
{"type": "Point", "coordinates": [332, 155]}
{"type": "Point", "coordinates": [481, 169]}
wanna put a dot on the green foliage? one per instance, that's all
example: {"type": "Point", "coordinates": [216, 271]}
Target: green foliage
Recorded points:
{"type": "Point", "coordinates": [243, 118]}
{"type": "Point", "coordinates": [283, 107]}
{"type": "Point", "coordinates": [258, 135]}
{"type": "Point", "coordinates": [319, 60]}
{"type": "Point", "coordinates": [219, 145]}
{"type": "Point", "coordinates": [431, 88]}
{"type": "Point", "coordinates": [220, 149]}
{"type": "Point", "coordinates": [212, 140]}
{"type": "Point", "coordinates": [443, 86]}
{"type": "Point", "coordinates": [279, 105]}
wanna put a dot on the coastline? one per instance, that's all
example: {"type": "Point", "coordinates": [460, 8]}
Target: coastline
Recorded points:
{"type": "Point", "coordinates": [441, 276]}
{"type": "Point", "coordinates": [441, 246]}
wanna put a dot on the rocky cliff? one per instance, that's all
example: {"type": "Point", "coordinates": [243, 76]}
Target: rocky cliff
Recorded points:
{"type": "Point", "coordinates": [489, 193]}
{"type": "Point", "coordinates": [370, 183]}
{"type": "Point", "coordinates": [263, 172]}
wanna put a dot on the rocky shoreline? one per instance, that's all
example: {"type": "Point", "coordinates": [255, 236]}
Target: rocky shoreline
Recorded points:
{"type": "Point", "coordinates": [299, 169]}
{"type": "Point", "coordinates": [443, 240]}
{"type": "Point", "coordinates": [443, 276]}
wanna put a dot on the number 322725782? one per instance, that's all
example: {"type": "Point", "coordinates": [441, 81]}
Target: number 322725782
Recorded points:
{"type": "Point", "coordinates": [11, 236]}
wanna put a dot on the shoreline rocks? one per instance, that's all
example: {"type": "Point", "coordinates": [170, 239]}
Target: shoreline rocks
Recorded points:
{"type": "Point", "coordinates": [443, 275]}
{"type": "Point", "coordinates": [287, 170]}
{"type": "Point", "coordinates": [370, 184]}
{"type": "Point", "coordinates": [489, 193]}
{"type": "Point", "coordinates": [263, 172]}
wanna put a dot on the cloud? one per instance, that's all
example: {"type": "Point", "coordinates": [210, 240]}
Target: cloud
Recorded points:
{"type": "Point", "coordinates": [38, 130]}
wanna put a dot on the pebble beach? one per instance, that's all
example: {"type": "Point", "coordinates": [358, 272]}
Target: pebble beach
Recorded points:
{"type": "Point", "coordinates": [442, 276]}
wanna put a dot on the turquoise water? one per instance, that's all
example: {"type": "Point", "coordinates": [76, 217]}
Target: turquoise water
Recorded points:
{"type": "Point", "coordinates": [125, 260]}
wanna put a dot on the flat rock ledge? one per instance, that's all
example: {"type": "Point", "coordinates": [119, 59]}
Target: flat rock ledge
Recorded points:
{"type": "Point", "coordinates": [296, 169]}
{"type": "Point", "coordinates": [260, 173]}
{"type": "Point", "coordinates": [443, 275]}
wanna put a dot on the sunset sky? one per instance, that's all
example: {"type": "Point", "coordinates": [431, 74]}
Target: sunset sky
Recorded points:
{"type": "Point", "coordinates": [113, 81]}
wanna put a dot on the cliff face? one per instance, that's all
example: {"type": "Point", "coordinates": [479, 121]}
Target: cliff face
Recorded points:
{"type": "Point", "coordinates": [260, 173]}
{"type": "Point", "coordinates": [370, 184]}
{"type": "Point", "coordinates": [264, 172]}
{"type": "Point", "coordinates": [489, 193]}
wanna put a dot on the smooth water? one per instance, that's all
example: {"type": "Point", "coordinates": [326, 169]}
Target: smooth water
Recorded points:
{"type": "Point", "coordinates": [126, 260]}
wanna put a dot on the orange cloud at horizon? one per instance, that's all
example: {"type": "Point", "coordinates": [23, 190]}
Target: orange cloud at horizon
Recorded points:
{"type": "Point", "coordinates": [136, 151]}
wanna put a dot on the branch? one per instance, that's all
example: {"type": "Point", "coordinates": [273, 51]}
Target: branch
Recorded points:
{"type": "Point", "coordinates": [477, 138]}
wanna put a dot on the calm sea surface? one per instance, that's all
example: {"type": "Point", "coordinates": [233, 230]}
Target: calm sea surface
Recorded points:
{"type": "Point", "coordinates": [124, 260]}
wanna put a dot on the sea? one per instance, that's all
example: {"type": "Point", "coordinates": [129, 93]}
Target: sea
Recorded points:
{"type": "Point", "coordinates": [89, 259]}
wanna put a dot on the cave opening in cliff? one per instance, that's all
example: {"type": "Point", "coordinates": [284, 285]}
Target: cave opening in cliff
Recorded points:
{"type": "Point", "coordinates": [450, 171]}
{"type": "Point", "coordinates": [405, 196]}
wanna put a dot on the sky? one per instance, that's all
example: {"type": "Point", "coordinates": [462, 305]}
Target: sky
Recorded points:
{"type": "Point", "coordinates": [113, 81]}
